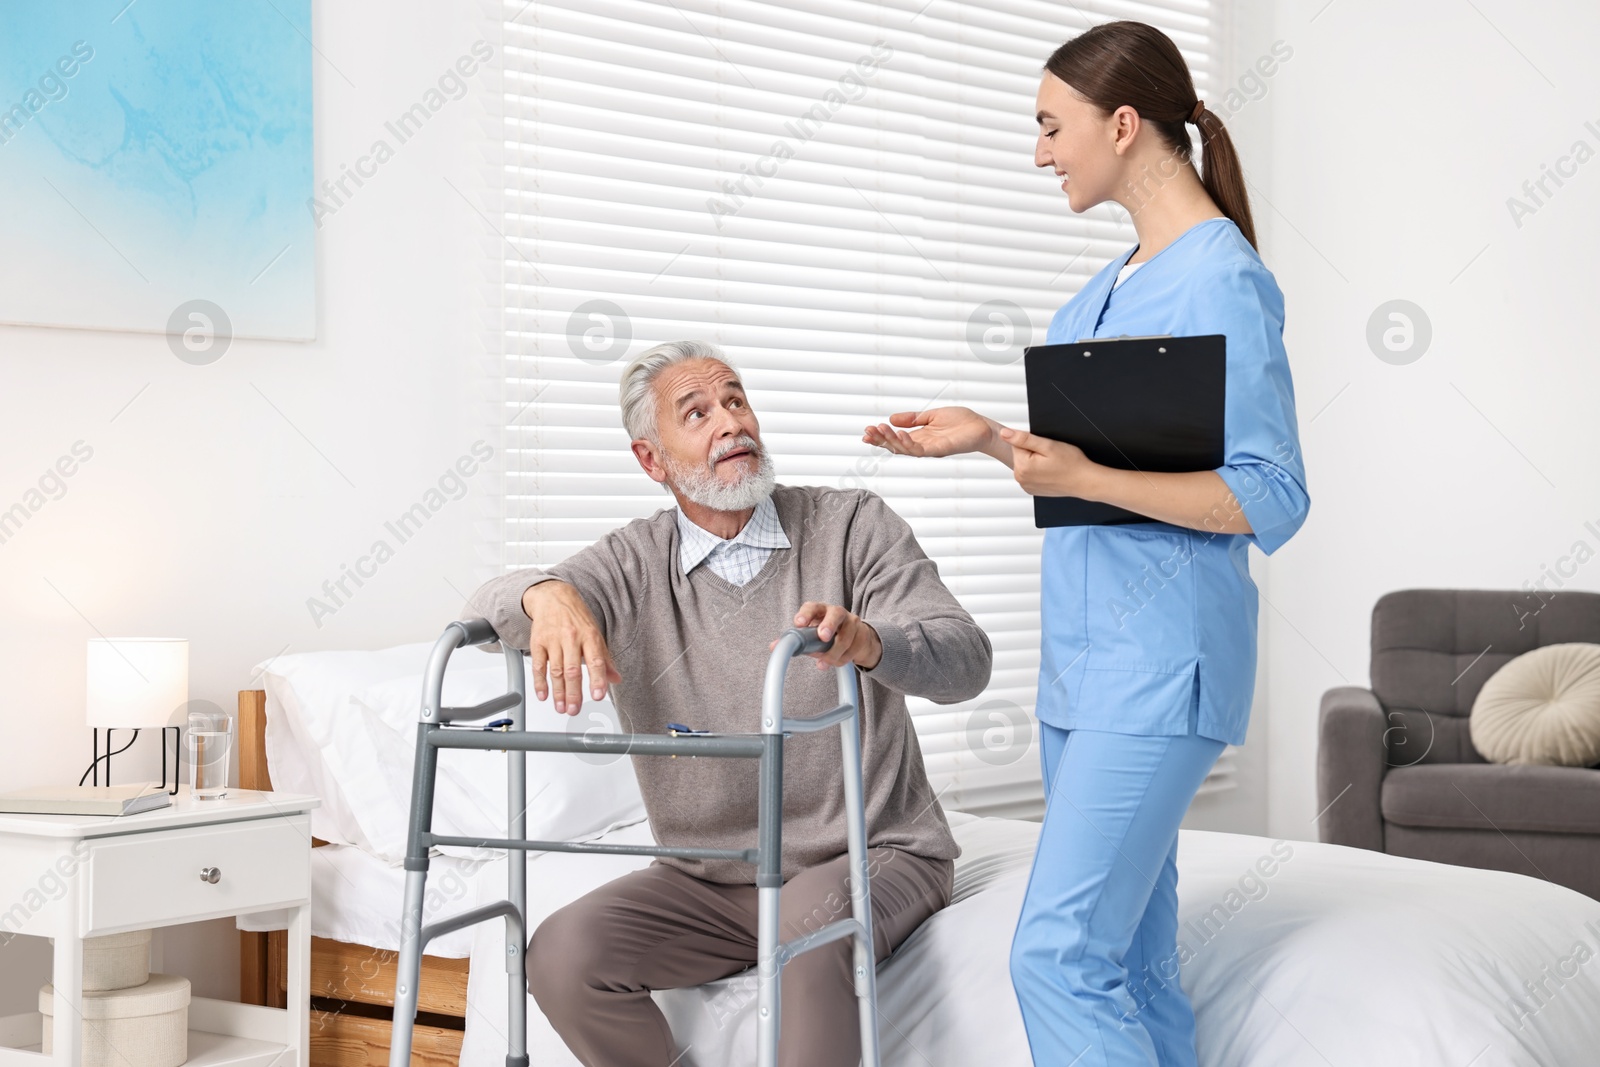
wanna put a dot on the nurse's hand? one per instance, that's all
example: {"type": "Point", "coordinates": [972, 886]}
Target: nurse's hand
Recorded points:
{"type": "Point", "coordinates": [1044, 467]}
{"type": "Point", "coordinates": [938, 432]}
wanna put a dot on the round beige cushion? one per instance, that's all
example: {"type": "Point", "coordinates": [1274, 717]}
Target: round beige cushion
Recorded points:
{"type": "Point", "coordinates": [1542, 707]}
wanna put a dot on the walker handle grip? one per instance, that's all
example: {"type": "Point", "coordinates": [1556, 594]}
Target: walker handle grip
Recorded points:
{"type": "Point", "coordinates": [809, 641]}
{"type": "Point", "coordinates": [475, 631]}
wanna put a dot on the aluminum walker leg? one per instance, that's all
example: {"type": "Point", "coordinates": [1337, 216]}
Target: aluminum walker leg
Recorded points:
{"type": "Point", "coordinates": [517, 864]}
{"type": "Point", "coordinates": [864, 962]}
{"type": "Point", "coordinates": [769, 884]}
{"type": "Point", "coordinates": [771, 952]}
{"type": "Point", "coordinates": [409, 972]}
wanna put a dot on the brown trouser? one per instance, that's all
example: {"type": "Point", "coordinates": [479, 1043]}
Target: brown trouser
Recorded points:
{"type": "Point", "coordinates": [592, 964]}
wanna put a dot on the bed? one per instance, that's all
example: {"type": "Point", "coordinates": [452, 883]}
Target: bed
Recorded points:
{"type": "Point", "coordinates": [1293, 953]}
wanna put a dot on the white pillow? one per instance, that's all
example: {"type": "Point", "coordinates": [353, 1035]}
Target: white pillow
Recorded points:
{"type": "Point", "coordinates": [571, 797]}
{"type": "Point", "coordinates": [308, 698]}
{"type": "Point", "coordinates": [357, 713]}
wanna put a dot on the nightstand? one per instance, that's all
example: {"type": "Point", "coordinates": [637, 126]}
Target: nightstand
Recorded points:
{"type": "Point", "coordinates": [68, 877]}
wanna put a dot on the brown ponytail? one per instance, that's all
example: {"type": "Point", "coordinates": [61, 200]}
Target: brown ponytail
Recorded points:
{"type": "Point", "coordinates": [1131, 63]}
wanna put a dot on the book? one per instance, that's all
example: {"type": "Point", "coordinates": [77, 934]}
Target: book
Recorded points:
{"type": "Point", "coordinates": [85, 799]}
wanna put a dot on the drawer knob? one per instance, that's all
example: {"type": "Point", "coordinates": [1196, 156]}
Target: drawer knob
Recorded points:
{"type": "Point", "coordinates": [210, 874]}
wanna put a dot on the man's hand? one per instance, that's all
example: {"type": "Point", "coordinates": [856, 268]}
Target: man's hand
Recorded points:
{"type": "Point", "coordinates": [565, 637]}
{"type": "Point", "coordinates": [854, 641]}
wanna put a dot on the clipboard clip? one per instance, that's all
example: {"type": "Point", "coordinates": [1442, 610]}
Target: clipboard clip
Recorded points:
{"type": "Point", "coordinates": [1124, 337]}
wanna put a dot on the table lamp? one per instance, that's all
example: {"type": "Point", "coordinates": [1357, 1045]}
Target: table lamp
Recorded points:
{"type": "Point", "coordinates": [136, 683]}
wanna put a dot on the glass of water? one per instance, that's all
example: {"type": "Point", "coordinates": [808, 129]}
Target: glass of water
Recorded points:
{"type": "Point", "coordinates": [208, 745]}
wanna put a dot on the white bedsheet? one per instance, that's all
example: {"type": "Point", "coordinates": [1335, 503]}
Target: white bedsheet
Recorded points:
{"type": "Point", "coordinates": [1336, 957]}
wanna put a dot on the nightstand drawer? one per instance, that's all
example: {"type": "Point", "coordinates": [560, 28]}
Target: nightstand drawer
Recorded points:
{"type": "Point", "coordinates": [162, 877]}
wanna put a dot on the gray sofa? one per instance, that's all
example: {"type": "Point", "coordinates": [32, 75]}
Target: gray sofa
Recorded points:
{"type": "Point", "coordinates": [1396, 768]}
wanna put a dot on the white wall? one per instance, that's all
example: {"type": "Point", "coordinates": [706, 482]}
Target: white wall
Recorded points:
{"type": "Point", "coordinates": [1398, 131]}
{"type": "Point", "coordinates": [1243, 95]}
{"type": "Point", "coordinates": [204, 512]}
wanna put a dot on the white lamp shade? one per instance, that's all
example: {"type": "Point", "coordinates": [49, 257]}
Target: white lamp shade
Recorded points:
{"type": "Point", "coordinates": [137, 682]}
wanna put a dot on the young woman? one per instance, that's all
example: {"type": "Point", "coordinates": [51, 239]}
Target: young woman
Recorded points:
{"type": "Point", "coordinates": [1148, 654]}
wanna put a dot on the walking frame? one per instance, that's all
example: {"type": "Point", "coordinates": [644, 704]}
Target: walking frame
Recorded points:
{"type": "Point", "coordinates": [439, 727]}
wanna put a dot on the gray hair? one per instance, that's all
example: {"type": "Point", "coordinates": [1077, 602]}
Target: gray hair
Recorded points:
{"type": "Point", "coordinates": [636, 390]}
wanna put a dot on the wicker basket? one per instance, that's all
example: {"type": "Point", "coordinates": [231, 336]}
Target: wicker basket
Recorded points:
{"type": "Point", "coordinates": [145, 1026]}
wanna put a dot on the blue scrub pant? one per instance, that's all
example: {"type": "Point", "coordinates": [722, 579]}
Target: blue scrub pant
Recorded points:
{"type": "Point", "coordinates": [1095, 958]}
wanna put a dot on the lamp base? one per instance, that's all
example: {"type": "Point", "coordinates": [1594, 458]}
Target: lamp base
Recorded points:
{"type": "Point", "coordinates": [177, 761]}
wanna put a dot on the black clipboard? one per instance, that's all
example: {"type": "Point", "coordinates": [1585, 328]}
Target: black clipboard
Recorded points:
{"type": "Point", "coordinates": [1134, 403]}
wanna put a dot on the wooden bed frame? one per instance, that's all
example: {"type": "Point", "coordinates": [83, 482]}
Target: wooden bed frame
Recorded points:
{"type": "Point", "coordinates": [352, 986]}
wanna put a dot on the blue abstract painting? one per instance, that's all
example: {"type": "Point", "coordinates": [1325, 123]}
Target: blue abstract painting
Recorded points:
{"type": "Point", "coordinates": [154, 154]}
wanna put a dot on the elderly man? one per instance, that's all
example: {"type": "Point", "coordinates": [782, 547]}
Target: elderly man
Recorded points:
{"type": "Point", "coordinates": [676, 615]}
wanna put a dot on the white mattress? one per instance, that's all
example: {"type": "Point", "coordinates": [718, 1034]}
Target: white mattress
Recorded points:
{"type": "Point", "coordinates": [1338, 957]}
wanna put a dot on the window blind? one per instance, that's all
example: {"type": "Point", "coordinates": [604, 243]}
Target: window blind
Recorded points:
{"type": "Point", "coordinates": [842, 195]}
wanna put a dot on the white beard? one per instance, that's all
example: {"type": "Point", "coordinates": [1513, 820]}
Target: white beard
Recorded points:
{"type": "Point", "coordinates": [701, 484]}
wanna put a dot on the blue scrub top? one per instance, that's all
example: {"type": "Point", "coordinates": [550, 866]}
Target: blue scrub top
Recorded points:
{"type": "Point", "coordinates": [1147, 625]}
